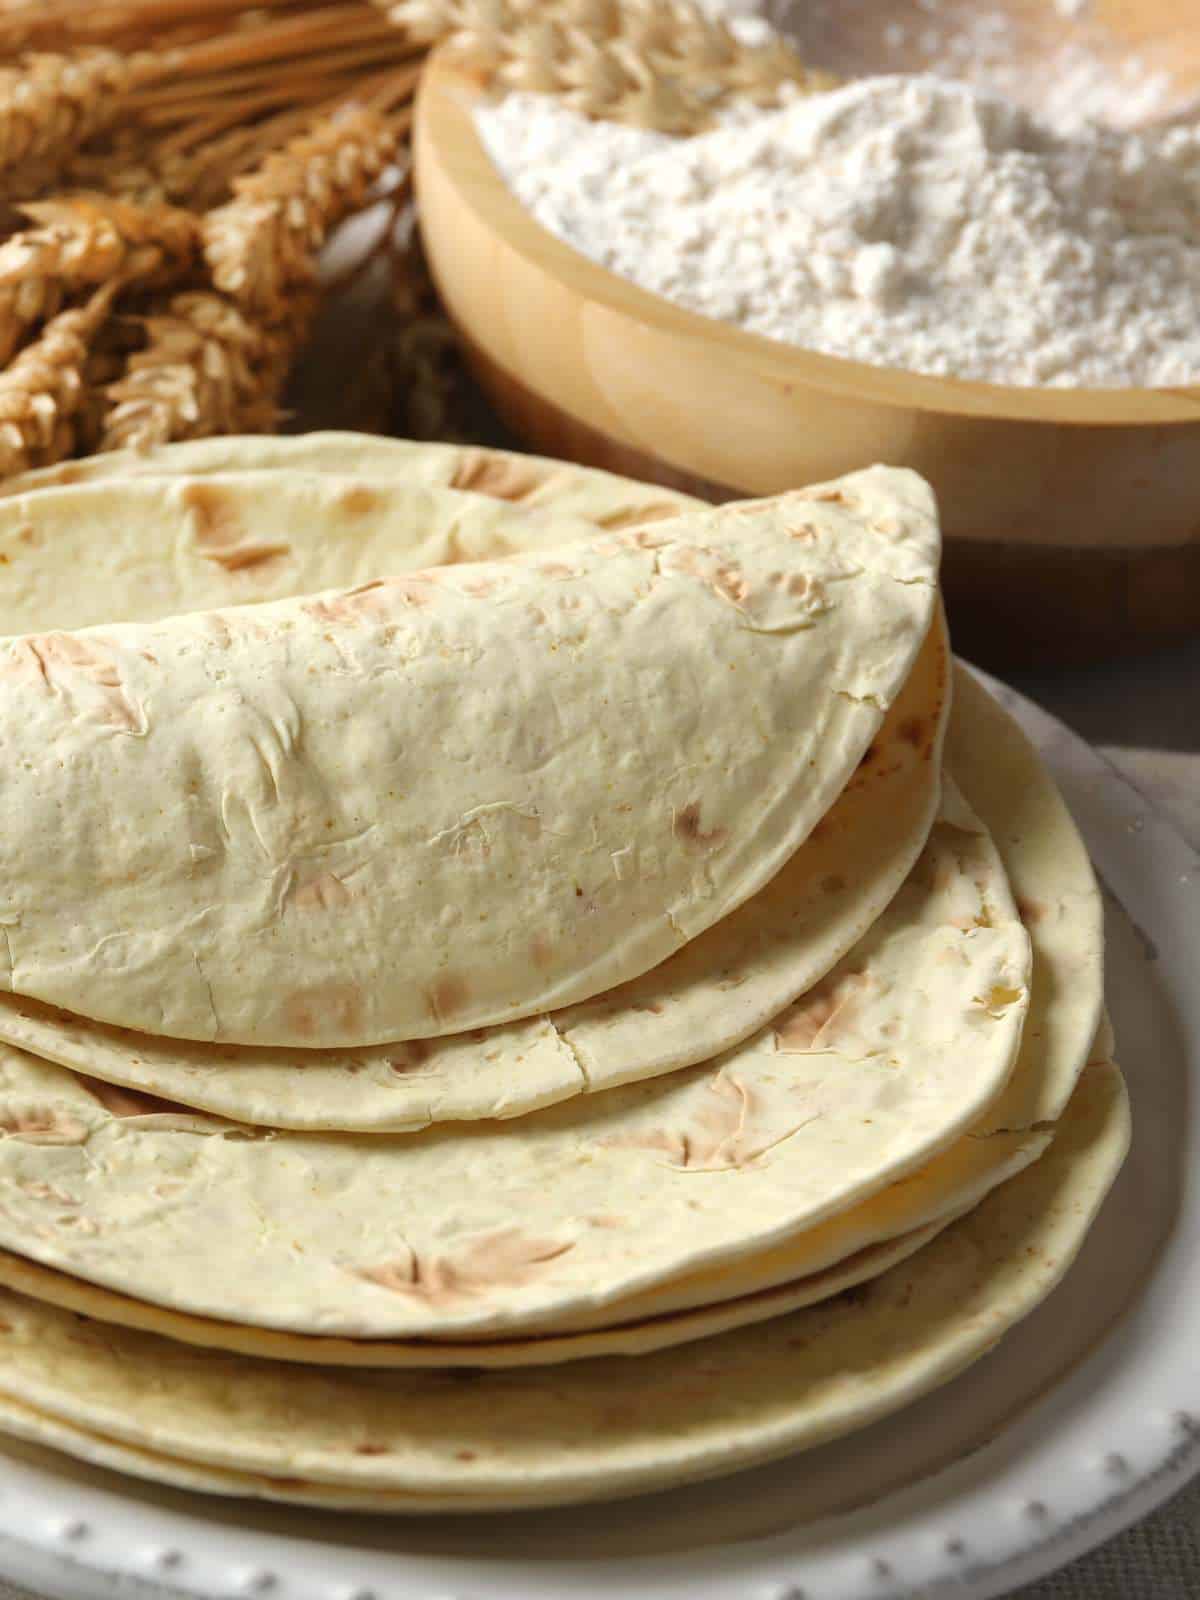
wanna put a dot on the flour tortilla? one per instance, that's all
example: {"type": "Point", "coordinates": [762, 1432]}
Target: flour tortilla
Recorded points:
{"type": "Point", "coordinates": [298, 798]}
{"type": "Point", "coordinates": [599, 1429]}
{"type": "Point", "coordinates": [148, 549]}
{"type": "Point", "coordinates": [849, 1248]}
{"type": "Point", "coordinates": [492, 1227]}
{"type": "Point", "coordinates": [540, 482]}
{"type": "Point", "coordinates": [626, 1339]}
{"type": "Point", "coordinates": [708, 997]}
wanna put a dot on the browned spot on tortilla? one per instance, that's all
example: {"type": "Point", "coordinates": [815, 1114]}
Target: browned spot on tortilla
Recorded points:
{"type": "Point", "coordinates": [448, 995]}
{"type": "Point", "coordinates": [466, 1455]}
{"type": "Point", "coordinates": [217, 629]}
{"type": "Point", "coordinates": [502, 477]}
{"type": "Point", "coordinates": [376, 601]}
{"type": "Point", "coordinates": [42, 1125]}
{"type": "Point", "coordinates": [416, 590]}
{"type": "Point", "coordinates": [324, 1010]}
{"type": "Point", "coordinates": [541, 952]}
{"type": "Point", "coordinates": [725, 578]}
{"type": "Point", "coordinates": [85, 670]}
{"type": "Point", "coordinates": [638, 539]}
{"type": "Point", "coordinates": [367, 601]}
{"type": "Point", "coordinates": [634, 516]}
{"type": "Point", "coordinates": [732, 583]}
{"type": "Point", "coordinates": [557, 569]}
{"type": "Point", "coordinates": [605, 1219]}
{"type": "Point", "coordinates": [28, 534]}
{"type": "Point", "coordinates": [325, 893]}
{"type": "Point", "coordinates": [1032, 912]}
{"type": "Point", "coordinates": [247, 555]}
{"type": "Point", "coordinates": [820, 1016]}
{"type": "Point", "coordinates": [912, 731]}
{"type": "Point", "coordinates": [686, 826]}
{"type": "Point", "coordinates": [69, 475]}
{"type": "Point", "coordinates": [797, 584]}
{"type": "Point", "coordinates": [652, 1008]}
{"type": "Point", "coordinates": [833, 884]}
{"type": "Point", "coordinates": [220, 534]}
{"type": "Point", "coordinates": [218, 525]}
{"type": "Point", "coordinates": [365, 1449]}
{"type": "Point", "coordinates": [828, 493]}
{"type": "Point", "coordinates": [506, 1258]}
{"type": "Point", "coordinates": [358, 501]}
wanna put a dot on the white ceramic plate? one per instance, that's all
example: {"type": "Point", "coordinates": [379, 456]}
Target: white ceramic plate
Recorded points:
{"type": "Point", "coordinates": [1084, 1419]}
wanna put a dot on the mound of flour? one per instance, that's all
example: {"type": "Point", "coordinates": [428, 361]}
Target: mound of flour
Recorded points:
{"type": "Point", "coordinates": [1078, 75]}
{"type": "Point", "coordinates": [906, 221]}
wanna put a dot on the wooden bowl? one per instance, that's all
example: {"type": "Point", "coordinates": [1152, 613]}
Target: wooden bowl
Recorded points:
{"type": "Point", "coordinates": [1072, 517]}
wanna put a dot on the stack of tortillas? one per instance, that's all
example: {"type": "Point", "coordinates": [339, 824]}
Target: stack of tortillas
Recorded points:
{"type": "Point", "coordinates": [461, 911]}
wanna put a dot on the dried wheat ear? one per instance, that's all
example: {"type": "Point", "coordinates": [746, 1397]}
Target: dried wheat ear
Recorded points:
{"type": "Point", "coordinates": [663, 64]}
{"type": "Point", "coordinates": [43, 391]}
{"type": "Point", "coordinates": [81, 241]}
{"type": "Point", "coordinates": [263, 245]}
{"type": "Point", "coordinates": [206, 369]}
{"type": "Point", "coordinates": [195, 314]}
{"type": "Point", "coordinates": [215, 361]}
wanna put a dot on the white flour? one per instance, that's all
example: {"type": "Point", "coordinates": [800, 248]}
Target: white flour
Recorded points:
{"type": "Point", "coordinates": [1074, 76]}
{"type": "Point", "coordinates": [905, 221]}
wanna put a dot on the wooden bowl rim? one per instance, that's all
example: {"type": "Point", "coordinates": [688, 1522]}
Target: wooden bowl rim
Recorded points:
{"type": "Point", "coordinates": [443, 117]}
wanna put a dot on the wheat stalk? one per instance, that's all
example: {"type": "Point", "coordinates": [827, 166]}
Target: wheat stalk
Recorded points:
{"type": "Point", "coordinates": [262, 246]}
{"type": "Point", "coordinates": [52, 104]}
{"type": "Point", "coordinates": [664, 64]}
{"type": "Point", "coordinates": [44, 389]}
{"type": "Point", "coordinates": [128, 25]}
{"type": "Point", "coordinates": [84, 240]}
{"type": "Point", "coordinates": [206, 369]}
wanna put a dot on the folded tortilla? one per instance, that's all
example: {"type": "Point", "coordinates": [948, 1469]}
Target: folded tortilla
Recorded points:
{"type": "Point", "coordinates": [137, 551]}
{"type": "Point", "coordinates": [454, 798]}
